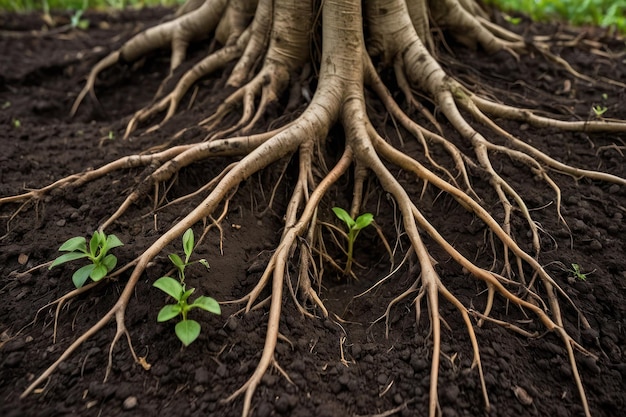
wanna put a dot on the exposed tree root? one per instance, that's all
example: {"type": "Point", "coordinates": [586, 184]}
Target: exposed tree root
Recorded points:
{"type": "Point", "coordinates": [272, 48]}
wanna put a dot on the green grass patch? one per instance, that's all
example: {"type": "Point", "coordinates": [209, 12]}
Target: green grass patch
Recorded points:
{"type": "Point", "coordinates": [604, 13]}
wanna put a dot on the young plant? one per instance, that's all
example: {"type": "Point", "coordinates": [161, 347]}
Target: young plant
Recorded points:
{"type": "Point", "coordinates": [77, 23]}
{"type": "Point", "coordinates": [512, 20]}
{"type": "Point", "coordinates": [187, 330]}
{"type": "Point", "coordinates": [102, 262]}
{"type": "Point", "coordinates": [599, 110]}
{"type": "Point", "coordinates": [354, 227]}
{"type": "Point", "coordinates": [577, 272]}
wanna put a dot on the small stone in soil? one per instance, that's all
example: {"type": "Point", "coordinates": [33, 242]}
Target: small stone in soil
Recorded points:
{"type": "Point", "coordinates": [595, 245]}
{"type": "Point", "coordinates": [232, 324]}
{"type": "Point", "coordinates": [450, 393]}
{"type": "Point", "coordinates": [283, 404]}
{"type": "Point", "coordinates": [13, 359]}
{"type": "Point", "coordinates": [264, 410]}
{"type": "Point", "coordinates": [202, 375]}
{"type": "Point", "coordinates": [130, 403]}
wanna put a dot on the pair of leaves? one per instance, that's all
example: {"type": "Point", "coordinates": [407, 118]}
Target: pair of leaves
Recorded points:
{"type": "Point", "coordinates": [101, 262]}
{"type": "Point", "coordinates": [188, 246]}
{"type": "Point", "coordinates": [361, 222]}
{"type": "Point", "coordinates": [94, 271]}
{"type": "Point", "coordinates": [186, 330]}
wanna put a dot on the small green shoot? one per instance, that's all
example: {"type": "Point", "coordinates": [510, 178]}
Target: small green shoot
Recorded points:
{"type": "Point", "coordinates": [76, 20]}
{"type": "Point", "coordinates": [77, 23]}
{"type": "Point", "coordinates": [577, 272]}
{"type": "Point", "coordinates": [186, 330]}
{"type": "Point", "coordinates": [354, 227]}
{"type": "Point", "coordinates": [102, 262]}
{"type": "Point", "coordinates": [513, 20]}
{"type": "Point", "coordinates": [599, 110]}
{"type": "Point", "coordinates": [111, 135]}
{"type": "Point", "coordinates": [5, 105]}
{"type": "Point", "coordinates": [16, 123]}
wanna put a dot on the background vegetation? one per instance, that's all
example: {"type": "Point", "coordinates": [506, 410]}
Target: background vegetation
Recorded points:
{"type": "Point", "coordinates": [605, 13]}
{"type": "Point", "coordinates": [74, 5]}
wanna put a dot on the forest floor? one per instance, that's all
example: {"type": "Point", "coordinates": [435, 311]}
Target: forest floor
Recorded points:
{"type": "Point", "coordinates": [344, 367]}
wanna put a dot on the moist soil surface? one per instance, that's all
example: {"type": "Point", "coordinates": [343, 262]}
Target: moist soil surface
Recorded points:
{"type": "Point", "coordinates": [341, 366]}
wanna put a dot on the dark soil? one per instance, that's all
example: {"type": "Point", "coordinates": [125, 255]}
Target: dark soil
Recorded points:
{"type": "Point", "coordinates": [40, 75]}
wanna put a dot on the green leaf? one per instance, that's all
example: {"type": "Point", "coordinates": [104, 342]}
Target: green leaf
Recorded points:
{"type": "Point", "coordinates": [188, 242]}
{"type": "Point", "coordinates": [344, 216]}
{"type": "Point", "coordinates": [83, 24]}
{"type": "Point", "coordinates": [363, 221]}
{"type": "Point", "coordinates": [94, 244]}
{"type": "Point", "coordinates": [66, 258]}
{"type": "Point", "coordinates": [80, 277]}
{"type": "Point", "coordinates": [187, 331]}
{"type": "Point", "coordinates": [208, 304]}
{"type": "Point", "coordinates": [205, 263]}
{"type": "Point", "coordinates": [113, 242]}
{"type": "Point", "coordinates": [109, 262]}
{"type": "Point", "coordinates": [99, 272]}
{"type": "Point", "coordinates": [168, 312]}
{"type": "Point", "coordinates": [186, 294]}
{"type": "Point", "coordinates": [76, 243]}
{"type": "Point", "coordinates": [169, 286]}
{"type": "Point", "coordinates": [177, 261]}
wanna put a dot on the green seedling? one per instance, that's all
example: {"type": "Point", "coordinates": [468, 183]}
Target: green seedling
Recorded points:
{"type": "Point", "coordinates": [577, 272]}
{"type": "Point", "coordinates": [16, 123]}
{"type": "Point", "coordinates": [186, 330]}
{"type": "Point", "coordinates": [102, 262]}
{"type": "Point", "coordinates": [512, 20]}
{"type": "Point", "coordinates": [599, 110]}
{"type": "Point", "coordinates": [77, 23]}
{"type": "Point", "coordinates": [354, 227]}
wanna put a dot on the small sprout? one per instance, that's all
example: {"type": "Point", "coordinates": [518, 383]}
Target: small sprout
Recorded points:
{"type": "Point", "coordinates": [111, 135]}
{"type": "Point", "coordinates": [577, 272]}
{"type": "Point", "coordinates": [512, 20]}
{"type": "Point", "coordinates": [186, 330]}
{"type": "Point", "coordinates": [16, 123]}
{"type": "Point", "coordinates": [102, 262]}
{"type": "Point", "coordinates": [599, 110]}
{"type": "Point", "coordinates": [354, 227]}
{"type": "Point", "coordinates": [77, 22]}
{"type": "Point", "coordinates": [6, 105]}
{"type": "Point", "coordinates": [605, 96]}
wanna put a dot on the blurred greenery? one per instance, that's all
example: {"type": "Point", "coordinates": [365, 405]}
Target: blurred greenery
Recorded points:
{"type": "Point", "coordinates": [47, 5]}
{"type": "Point", "coordinates": [605, 13]}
